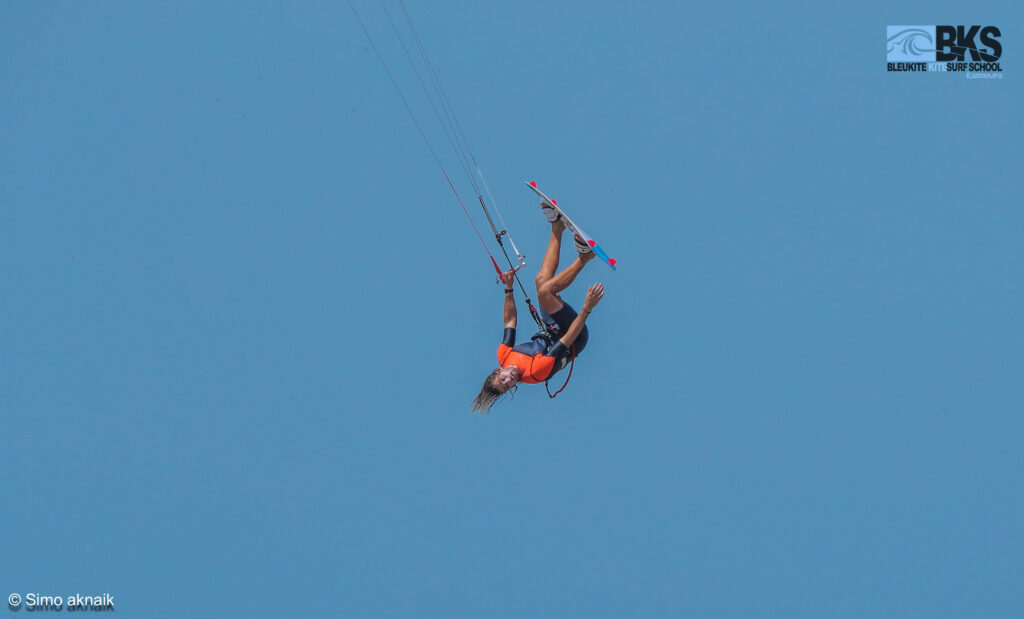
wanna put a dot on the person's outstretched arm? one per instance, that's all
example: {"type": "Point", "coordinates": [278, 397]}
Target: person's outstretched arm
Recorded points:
{"type": "Point", "coordinates": [594, 296]}
{"type": "Point", "coordinates": [510, 303]}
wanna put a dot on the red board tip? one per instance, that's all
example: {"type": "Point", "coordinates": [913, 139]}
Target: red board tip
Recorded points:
{"type": "Point", "coordinates": [555, 202]}
{"type": "Point", "coordinates": [533, 183]}
{"type": "Point", "coordinates": [612, 261]}
{"type": "Point", "coordinates": [592, 243]}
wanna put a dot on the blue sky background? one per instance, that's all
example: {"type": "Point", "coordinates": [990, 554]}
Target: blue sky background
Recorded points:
{"type": "Point", "coordinates": [243, 316]}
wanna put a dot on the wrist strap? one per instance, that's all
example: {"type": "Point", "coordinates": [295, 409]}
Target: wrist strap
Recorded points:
{"type": "Point", "coordinates": [508, 291]}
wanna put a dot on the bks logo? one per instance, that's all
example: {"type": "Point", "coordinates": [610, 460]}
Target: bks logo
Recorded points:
{"type": "Point", "coordinates": [958, 40]}
{"type": "Point", "coordinates": [943, 48]}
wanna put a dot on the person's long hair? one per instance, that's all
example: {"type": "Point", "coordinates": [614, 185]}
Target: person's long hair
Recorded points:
{"type": "Point", "coordinates": [489, 394]}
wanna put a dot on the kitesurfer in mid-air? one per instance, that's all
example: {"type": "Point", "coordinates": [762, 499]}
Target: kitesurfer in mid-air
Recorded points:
{"type": "Point", "coordinates": [542, 356]}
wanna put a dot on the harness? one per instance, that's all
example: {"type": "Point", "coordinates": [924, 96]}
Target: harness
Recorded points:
{"type": "Point", "coordinates": [552, 334]}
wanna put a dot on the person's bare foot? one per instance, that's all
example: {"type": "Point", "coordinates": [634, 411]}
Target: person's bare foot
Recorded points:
{"type": "Point", "coordinates": [550, 213]}
{"type": "Point", "coordinates": [583, 247]}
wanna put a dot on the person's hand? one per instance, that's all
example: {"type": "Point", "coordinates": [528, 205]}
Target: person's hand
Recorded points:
{"type": "Point", "coordinates": [508, 277]}
{"type": "Point", "coordinates": [594, 296]}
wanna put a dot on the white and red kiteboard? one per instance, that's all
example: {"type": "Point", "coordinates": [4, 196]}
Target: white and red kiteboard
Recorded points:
{"type": "Point", "coordinates": [573, 228]}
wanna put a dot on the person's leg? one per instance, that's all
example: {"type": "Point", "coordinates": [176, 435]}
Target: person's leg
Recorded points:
{"type": "Point", "coordinates": [547, 292]}
{"type": "Point", "coordinates": [550, 263]}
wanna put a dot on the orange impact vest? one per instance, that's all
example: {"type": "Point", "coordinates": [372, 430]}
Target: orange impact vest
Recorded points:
{"type": "Point", "coordinates": [535, 369]}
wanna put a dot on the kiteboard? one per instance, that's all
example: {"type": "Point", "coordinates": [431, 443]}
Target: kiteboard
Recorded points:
{"type": "Point", "coordinates": [573, 228]}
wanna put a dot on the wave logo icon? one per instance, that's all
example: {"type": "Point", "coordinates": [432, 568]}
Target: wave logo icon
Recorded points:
{"type": "Point", "coordinates": [910, 43]}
